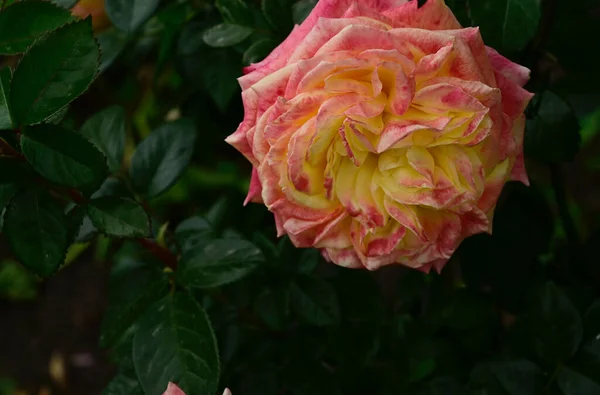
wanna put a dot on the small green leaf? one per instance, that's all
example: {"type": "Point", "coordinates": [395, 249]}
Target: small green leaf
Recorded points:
{"type": "Point", "coordinates": [22, 23]}
{"type": "Point", "coordinates": [161, 158]}
{"type": "Point", "coordinates": [258, 51]}
{"type": "Point", "coordinates": [315, 301]}
{"type": "Point", "coordinates": [64, 157]}
{"type": "Point", "coordinates": [193, 231]}
{"type": "Point", "coordinates": [301, 9]}
{"type": "Point", "coordinates": [175, 343]}
{"type": "Point", "coordinates": [575, 383]}
{"type": "Point", "coordinates": [106, 129]}
{"type": "Point", "coordinates": [234, 11]}
{"type": "Point", "coordinates": [119, 217]}
{"type": "Point", "coordinates": [129, 15]}
{"type": "Point", "coordinates": [218, 262]}
{"type": "Point", "coordinates": [16, 283]}
{"type": "Point", "coordinates": [553, 135]}
{"type": "Point", "coordinates": [37, 231]}
{"type": "Point", "coordinates": [226, 35]}
{"type": "Point", "coordinates": [130, 293]}
{"type": "Point", "coordinates": [506, 24]}
{"type": "Point", "coordinates": [123, 384]}
{"type": "Point", "coordinates": [279, 14]}
{"type": "Point", "coordinates": [420, 368]}
{"type": "Point", "coordinates": [273, 307]}
{"type": "Point", "coordinates": [6, 120]}
{"type": "Point", "coordinates": [308, 260]}
{"type": "Point", "coordinates": [44, 81]}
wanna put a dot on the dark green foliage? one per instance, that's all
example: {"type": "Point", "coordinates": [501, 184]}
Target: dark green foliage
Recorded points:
{"type": "Point", "coordinates": [175, 343]}
{"type": "Point", "coordinates": [201, 291]}
{"type": "Point", "coordinates": [23, 22]}
{"type": "Point", "coordinates": [38, 92]}
{"type": "Point", "coordinates": [36, 229]}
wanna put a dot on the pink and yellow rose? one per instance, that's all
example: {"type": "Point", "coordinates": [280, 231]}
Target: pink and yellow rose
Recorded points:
{"type": "Point", "coordinates": [382, 133]}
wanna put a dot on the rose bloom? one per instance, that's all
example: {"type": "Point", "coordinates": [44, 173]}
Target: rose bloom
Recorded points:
{"type": "Point", "coordinates": [382, 133]}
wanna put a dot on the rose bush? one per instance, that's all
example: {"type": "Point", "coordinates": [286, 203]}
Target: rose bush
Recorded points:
{"type": "Point", "coordinates": [382, 133]}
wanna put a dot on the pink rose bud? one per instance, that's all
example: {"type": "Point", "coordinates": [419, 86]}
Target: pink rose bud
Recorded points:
{"type": "Point", "coordinates": [173, 389]}
{"type": "Point", "coordinates": [382, 133]}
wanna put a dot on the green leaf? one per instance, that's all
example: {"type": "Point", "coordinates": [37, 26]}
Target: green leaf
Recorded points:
{"type": "Point", "coordinates": [308, 260]}
{"type": "Point", "coordinates": [106, 129]}
{"type": "Point", "coordinates": [301, 9]}
{"type": "Point", "coordinates": [552, 325]}
{"type": "Point", "coordinates": [130, 294]}
{"type": "Point", "coordinates": [64, 157]}
{"type": "Point", "coordinates": [193, 231]}
{"type": "Point", "coordinates": [218, 262]}
{"type": "Point", "coordinates": [16, 283]}
{"type": "Point", "coordinates": [112, 42]}
{"type": "Point", "coordinates": [574, 383]}
{"type": "Point", "coordinates": [64, 3]}
{"type": "Point", "coordinates": [315, 301]}
{"type": "Point", "coordinates": [58, 116]}
{"type": "Point", "coordinates": [226, 35]}
{"type": "Point", "coordinates": [37, 231]}
{"type": "Point", "coordinates": [160, 159]}
{"type": "Point", "coordinates": [506, 24]}
{"type": "Point", "coordinates": [519, 377]}
{"type": "Point", "coordinates": [22, 23]}
{"type": "Point", "coordinates": [119, 217]}
{"type": "Point", "coordinates": [258, 51]}
{"type": "Point", "coordinates": [217, 212]}
{"type": "Point", "coordinates": [44, 81]}
{"type": "Point", "coordinates": [128, 15]}
{"type": "Point", "coordinates": [6, 119]}
{"type": "Point", "coordinates": [175, 342]}
{"type": "Point", "coordinates": [123, 384]}
{"type": "Point", "coordinates": [279, 14]}
{"type": "Point", "coordinates": [234, 11]}
{"type": "Point", "coordinates": [273, 307]}
{"type": "Point", "coordinates": [553, 135]}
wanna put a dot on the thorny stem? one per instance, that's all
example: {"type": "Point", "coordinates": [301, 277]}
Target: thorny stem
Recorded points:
{"type": "Point", "coordinates": [163, 254]}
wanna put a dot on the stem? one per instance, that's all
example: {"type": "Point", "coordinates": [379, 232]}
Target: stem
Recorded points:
{"type": "Point", "coordinates": [7, 150]}
{"type": "Point", "coordinates": [560, 194]}
{"type": "Point", "coordinates": [163, 254]}
{"type": "Point", "coordinates": [554, 374]}
{"type": "Point", "coordinates": [76, 196]}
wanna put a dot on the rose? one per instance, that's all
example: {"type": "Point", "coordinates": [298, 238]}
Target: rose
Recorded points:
{"type": "Point", "coordinates": [382, 133]}
{"type": "Point", "coordinates": [173, 389]}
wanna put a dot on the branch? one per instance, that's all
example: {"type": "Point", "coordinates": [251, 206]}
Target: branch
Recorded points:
{"type": "Point", "coordinates": [161, 253]}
